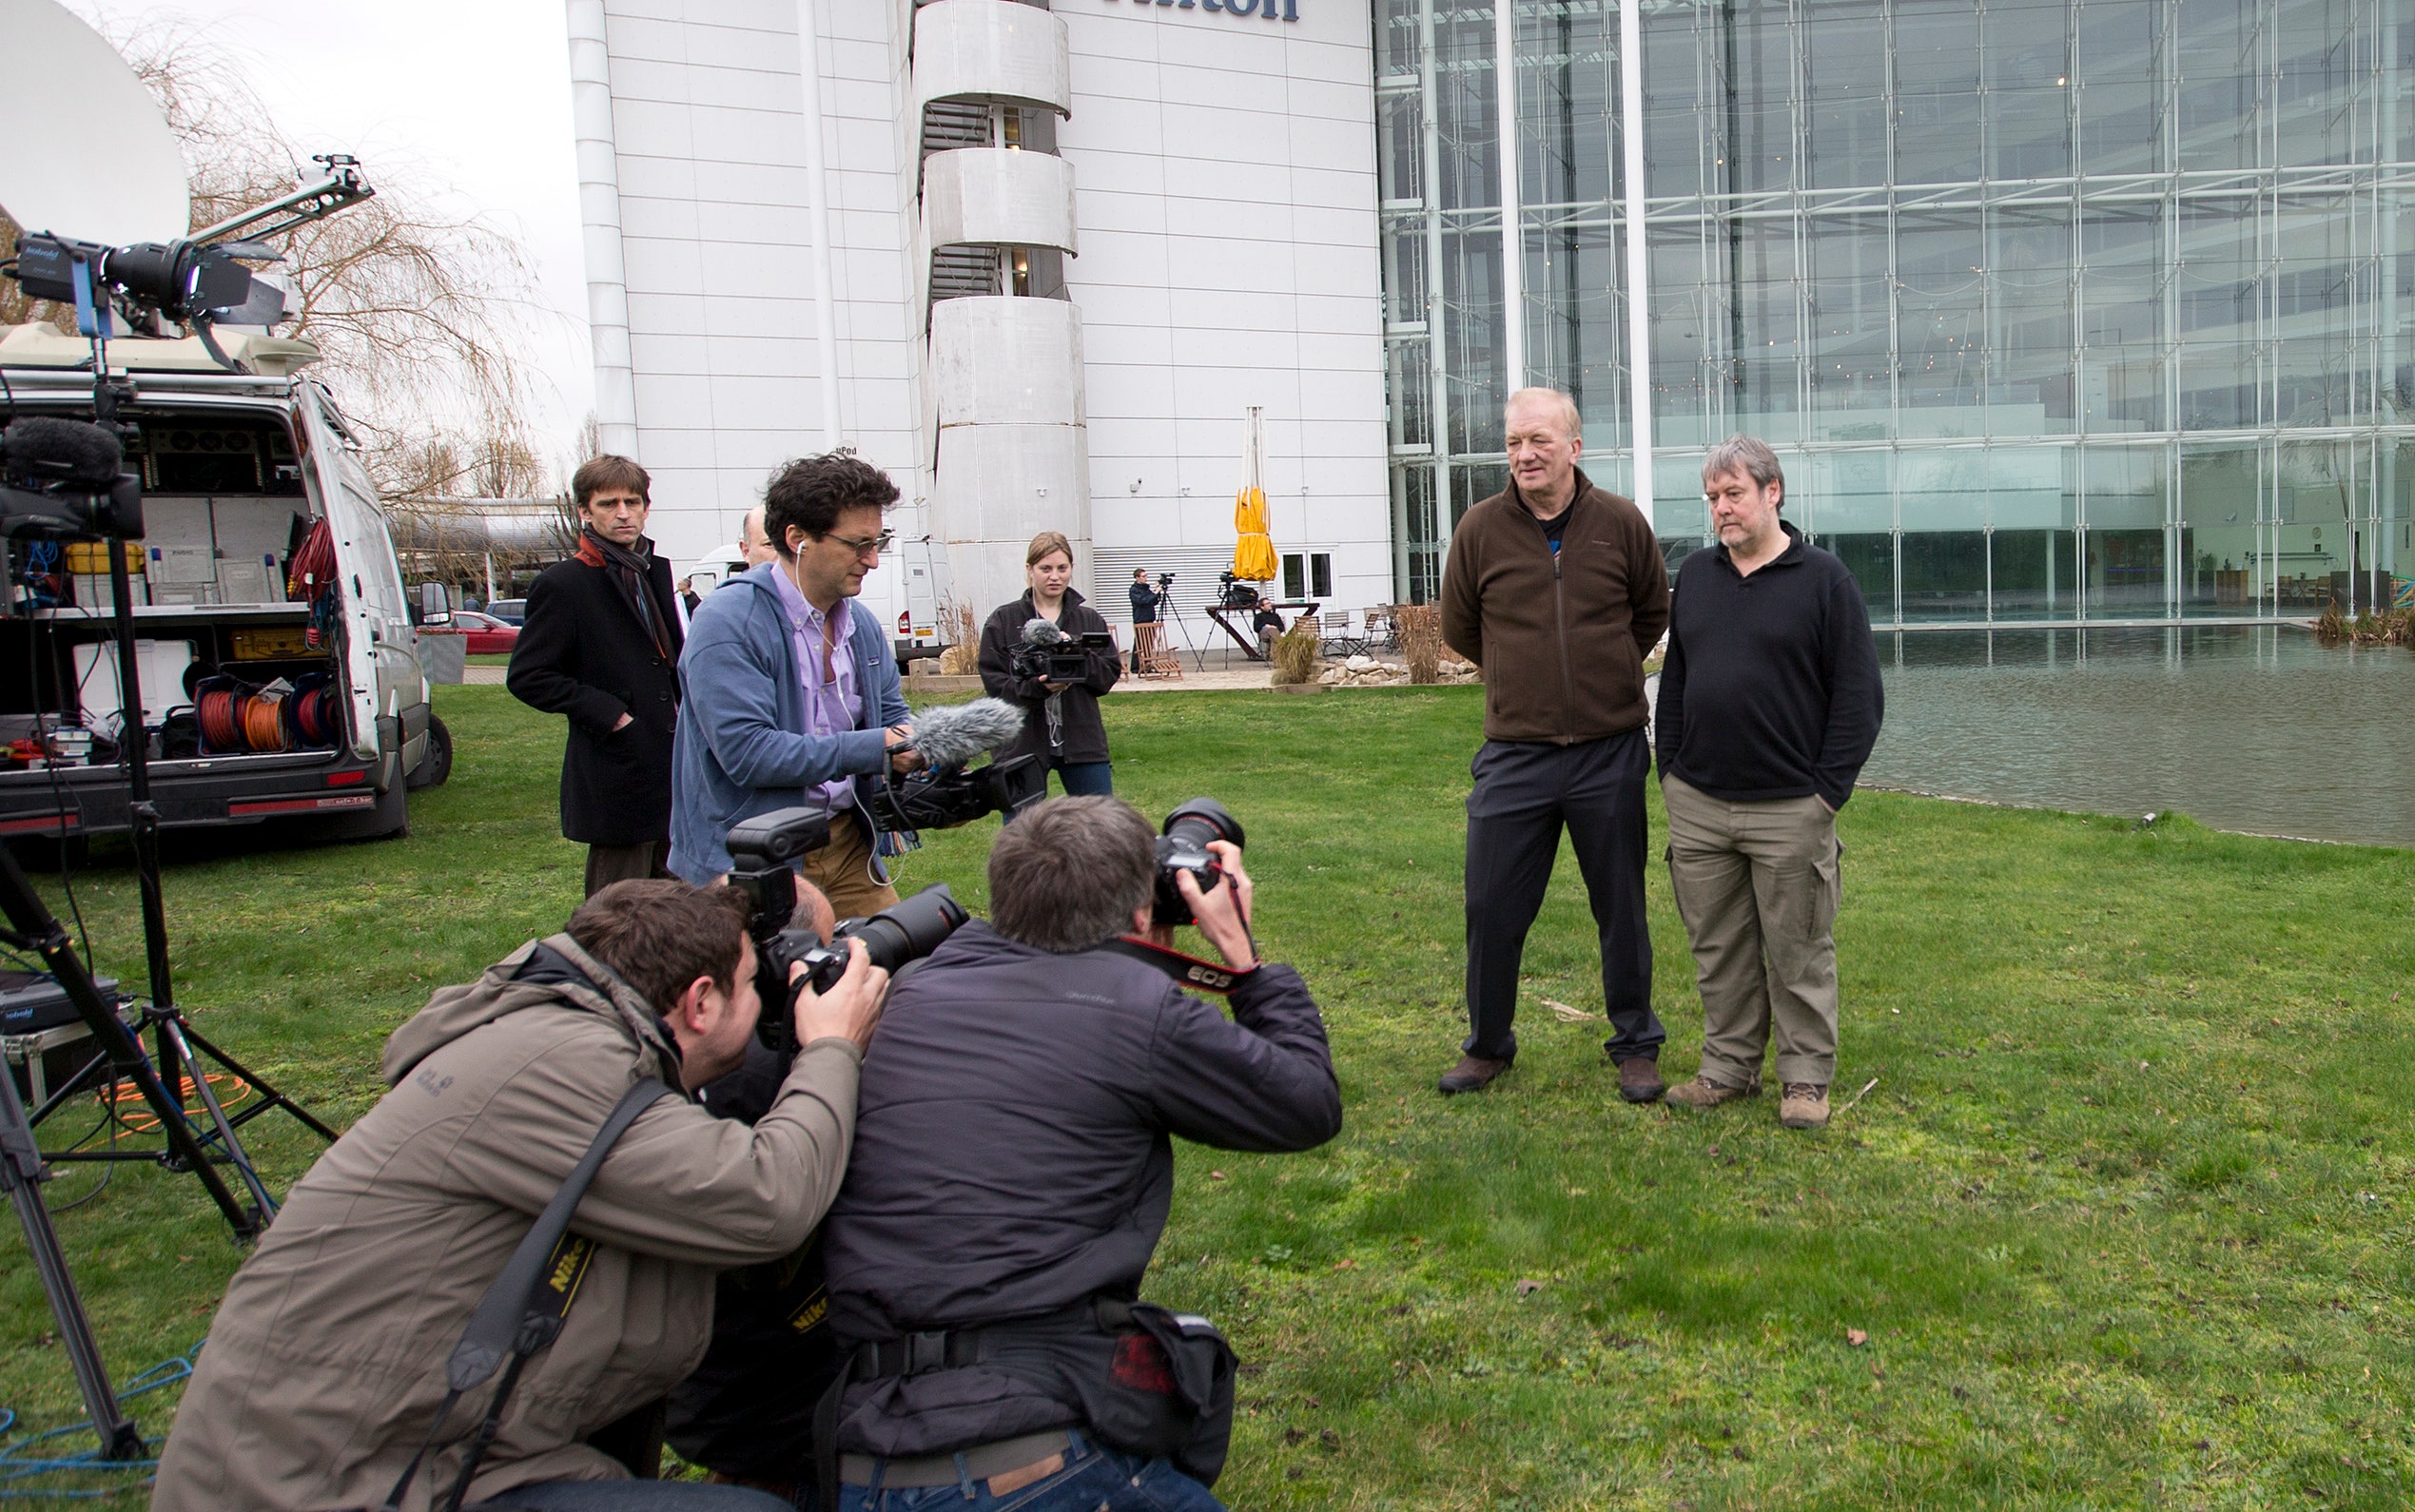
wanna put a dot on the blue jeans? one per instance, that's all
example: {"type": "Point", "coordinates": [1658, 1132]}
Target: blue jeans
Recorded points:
{"type": "Point", "coordinates": [632, 1496]}
{"type": "Point", "coordinates": [1082, 779]}
{"type": "Point", "coordinates": [1094, 1480]}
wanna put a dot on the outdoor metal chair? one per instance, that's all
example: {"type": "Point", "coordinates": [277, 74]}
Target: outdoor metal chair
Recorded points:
{"type": "Point", "coordinates": [1335, 638]}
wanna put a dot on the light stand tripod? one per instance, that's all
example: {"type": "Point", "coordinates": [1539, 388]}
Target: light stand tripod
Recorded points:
{"type": "Point", "coordinates": [113, 510]}
{"type": "Point", "coordinates": [1173, 616]}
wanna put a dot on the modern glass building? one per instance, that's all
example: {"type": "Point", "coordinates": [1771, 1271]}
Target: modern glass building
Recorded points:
{"type": "Point", "coordinates": [2058, 311]}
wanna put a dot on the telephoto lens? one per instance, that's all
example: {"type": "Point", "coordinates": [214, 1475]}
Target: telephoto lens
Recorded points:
{"type": "Point", "coordinates": [1183, 847]}
{"type": "Point", "coordinates": [891, 937]}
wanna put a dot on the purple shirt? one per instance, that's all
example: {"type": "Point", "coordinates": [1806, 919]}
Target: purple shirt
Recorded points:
{"type": "Point", "coordinates": [832, 707]}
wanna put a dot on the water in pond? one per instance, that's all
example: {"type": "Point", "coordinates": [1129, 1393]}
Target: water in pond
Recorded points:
{"type": "Point", "coordinates": [2262, 729]}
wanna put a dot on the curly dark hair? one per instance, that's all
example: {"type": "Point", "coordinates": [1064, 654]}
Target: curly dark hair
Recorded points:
{"type": "Point", "coordinates": [813, 492]}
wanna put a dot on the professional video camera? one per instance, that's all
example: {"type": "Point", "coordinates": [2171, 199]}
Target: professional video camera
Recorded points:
{"type": "Point", "coordinates": [762, 850]}
{"type": "Point", "coordinates": [1183, 847]}
{"type": "Point", "coordinates": [947, 792]}
{"type": "Point", "coordinates": [64, 479]}
{"type": "Point", "coordinates": [1048, 651]}
{"type": "Point", "coordinates": [1232, 593]}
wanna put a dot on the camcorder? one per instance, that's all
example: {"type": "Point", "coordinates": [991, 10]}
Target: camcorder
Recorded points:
{"type": "Point", "coordinates": [61, 478]}
{"type": "Point", "coordinates": [762, 850]}
{"type": "Point", "coordinates": [1182, 848]}
{"type": "Point", "coordinates": [1048, 652]}
{"type": "Point", "coordinates": [1232, 593]}
{"type": "Point", "coordinates": [948, 791]}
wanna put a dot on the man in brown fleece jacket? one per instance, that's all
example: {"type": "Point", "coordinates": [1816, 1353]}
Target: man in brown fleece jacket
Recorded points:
{"type": "Point", "coordinates": [1557, 591]}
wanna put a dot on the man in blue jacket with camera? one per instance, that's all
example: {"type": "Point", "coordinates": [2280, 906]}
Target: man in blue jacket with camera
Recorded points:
{"type": "Point", "coordinates": [789, 692]}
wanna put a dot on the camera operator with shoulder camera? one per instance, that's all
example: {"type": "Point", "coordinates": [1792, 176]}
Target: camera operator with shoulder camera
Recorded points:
{"type": "Point", "coordinates": [325, 1384]}
{"type": "Point", "coordinates": [1052, 653]}
{"type": "Point", "coordinates": [1014, 1167]}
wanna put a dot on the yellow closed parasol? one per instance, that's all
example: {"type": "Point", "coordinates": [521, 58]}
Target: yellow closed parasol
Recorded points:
{"type": "Point", "coordinates": [1254, 552]}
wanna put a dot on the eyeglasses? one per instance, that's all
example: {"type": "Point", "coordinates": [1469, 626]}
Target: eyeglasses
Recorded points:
{"type": "Point", "coordinates": [872, 546]}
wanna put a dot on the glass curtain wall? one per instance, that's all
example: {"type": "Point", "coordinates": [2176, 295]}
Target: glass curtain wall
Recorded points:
{"type": "Point", "coordinates": [2056, 310]}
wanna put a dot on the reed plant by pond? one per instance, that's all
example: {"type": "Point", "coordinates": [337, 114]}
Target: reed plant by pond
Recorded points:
{"type": "Point", "coordinates": [2124, 1223]}
{"type": "Point", "coordinates": [2387, 627]}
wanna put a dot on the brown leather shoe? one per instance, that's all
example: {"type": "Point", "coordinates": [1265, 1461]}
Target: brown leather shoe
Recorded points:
{"type": "Point", "coordinates": [1703, 1092]}
{"type": "Point", "coordinates": [1804, 1105]}
{"type": "Point", "coordinates": [1639, 1079]}
{"type": "Point", "coordinates": [1473, 1073]}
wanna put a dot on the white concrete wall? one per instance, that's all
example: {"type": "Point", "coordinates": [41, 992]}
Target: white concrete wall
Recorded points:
{"type": "Point", "coordinates": [1224, 173]}
{"type": "Point", "coordinates": [709, 132]}
{"type": "Point", "coordinates": [1225, 193]}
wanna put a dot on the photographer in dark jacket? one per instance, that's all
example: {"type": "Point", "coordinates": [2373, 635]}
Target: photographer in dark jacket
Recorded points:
{"type": "Point", "coordinates": [1062, 724]}
{"type": "Point", "coordinates": [1014, 1167]}
{"type": "Point", "coordinates": [601, 644]}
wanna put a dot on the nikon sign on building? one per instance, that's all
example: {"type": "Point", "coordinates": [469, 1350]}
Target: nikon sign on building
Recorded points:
{"type": "Point", "coordinates": [2058, 313]}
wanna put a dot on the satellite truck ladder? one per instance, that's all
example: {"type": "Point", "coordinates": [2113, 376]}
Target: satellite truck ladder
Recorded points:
{"type": "Point", "coordinates": [257, 705]}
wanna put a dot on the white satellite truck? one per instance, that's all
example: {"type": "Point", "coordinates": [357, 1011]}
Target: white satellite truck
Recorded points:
{"type": "Point", "coordinates": [279, 674]}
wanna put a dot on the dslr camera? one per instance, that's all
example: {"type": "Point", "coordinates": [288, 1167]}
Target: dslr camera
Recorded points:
{"type": "Point", "coordinates": [762, 850]}
{"type": "Point", "coordinates": [1182, 848]}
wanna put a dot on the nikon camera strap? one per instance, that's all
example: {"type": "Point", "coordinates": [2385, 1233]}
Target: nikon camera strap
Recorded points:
{"type": "Point", "coordinates": [523, 1309]}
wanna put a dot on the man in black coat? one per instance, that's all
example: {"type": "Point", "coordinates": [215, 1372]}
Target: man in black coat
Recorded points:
{"type": "Point", "coordinates": [601, 644]}
{"type": "Point", "coordinates": [1145, 611]}
{"type": "Point", "coordinates": [1014, 1164]}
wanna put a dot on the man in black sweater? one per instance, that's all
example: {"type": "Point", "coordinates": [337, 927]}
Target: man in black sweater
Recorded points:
{"type": "Point", "coordinates": [1769, 704]}
{"type": "Point", "coordinates": [1014, 1167]}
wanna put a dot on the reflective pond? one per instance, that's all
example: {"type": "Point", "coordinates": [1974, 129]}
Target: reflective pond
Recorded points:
{"type": "Point", "coordinates": [2260, 728]}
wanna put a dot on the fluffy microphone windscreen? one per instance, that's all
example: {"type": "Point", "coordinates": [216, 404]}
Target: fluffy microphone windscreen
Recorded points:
{"type": "Point", "coordinates": [954, 734]}
{"type": "Point", "coordinates": [56, 451]}
{"type": "Point", "coordinates": [1042, 631]}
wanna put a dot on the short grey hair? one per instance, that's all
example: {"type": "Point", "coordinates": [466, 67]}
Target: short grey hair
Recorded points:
{"type": "Point", "coordinates": [1066, 874]}
{"type": "Point", "coordinates": [1569, 415]}
{"type": "Point", "coordinates": [1747, 454]}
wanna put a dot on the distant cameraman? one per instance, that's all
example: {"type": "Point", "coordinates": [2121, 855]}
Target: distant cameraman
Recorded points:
{"type": "Point", "coordinates": [1145, 611]}
{"type": "Point", "coordinates": [327, 1364]}
{"type": "Point", "coordinates": [1062, 724]}
{"type": "Point", "coordinates": [791, 689]}
{"type": "Point", "coordinates": [1013, 1170]}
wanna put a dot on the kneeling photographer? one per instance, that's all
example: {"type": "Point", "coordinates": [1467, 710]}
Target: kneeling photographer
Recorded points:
{"type": "Point", "coordinates": [1014, 1167]}
{"type": "Point", "coordinates": [1051, 652]}
{"type": "Point", "coordinates": [326, 1379]}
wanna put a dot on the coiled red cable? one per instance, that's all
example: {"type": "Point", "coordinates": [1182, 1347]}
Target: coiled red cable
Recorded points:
{"type": "Point", "coordinates": [232, 720]}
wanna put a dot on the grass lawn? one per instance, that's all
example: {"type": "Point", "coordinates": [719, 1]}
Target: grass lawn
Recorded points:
{"type": "Point", "coordinates": [2125, 1220]}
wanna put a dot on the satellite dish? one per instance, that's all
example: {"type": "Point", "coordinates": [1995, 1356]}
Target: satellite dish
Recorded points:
{"type": "Point", "coordinates": [88, 153]}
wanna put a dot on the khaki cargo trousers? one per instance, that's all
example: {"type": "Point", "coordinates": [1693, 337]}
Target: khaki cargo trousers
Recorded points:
{"type": "Point", "coordinates": [1757, 885]}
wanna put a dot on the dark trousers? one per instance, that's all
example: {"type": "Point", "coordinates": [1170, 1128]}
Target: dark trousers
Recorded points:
{"type": "Point", "coordinates": [1525, 793]}
{"type": "Point", "coordinates": [606, 864]}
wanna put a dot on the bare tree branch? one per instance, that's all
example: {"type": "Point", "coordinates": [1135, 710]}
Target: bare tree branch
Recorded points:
{"type": "Point", "coordinates": [424, 317]}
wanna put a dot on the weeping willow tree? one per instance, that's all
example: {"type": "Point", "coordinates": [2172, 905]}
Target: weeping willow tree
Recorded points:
{"type": "Point", "coordinates": [424, 317]}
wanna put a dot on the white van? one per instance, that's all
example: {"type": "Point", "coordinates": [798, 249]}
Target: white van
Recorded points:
{"type": "Point", "coordinates": [255, 705]}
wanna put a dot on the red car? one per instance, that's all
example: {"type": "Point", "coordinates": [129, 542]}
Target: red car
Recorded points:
{"type": "Point", "coordinates": [486, 633]}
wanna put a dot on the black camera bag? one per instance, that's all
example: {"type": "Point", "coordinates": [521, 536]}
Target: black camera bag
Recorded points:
{"type": "Point", "coordinates": [1151, 1382]}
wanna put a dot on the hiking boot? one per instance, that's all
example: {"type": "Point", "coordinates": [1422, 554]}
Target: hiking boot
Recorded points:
{"type": "Point", "coordinates": [1804, 1105]}
{"type": "Point", "coordinates": [1703, 1092]}
{"type": "Point", "coordinates": [1473, 1073]}
{"type": "Point", "coordinates": [1639, 1079]}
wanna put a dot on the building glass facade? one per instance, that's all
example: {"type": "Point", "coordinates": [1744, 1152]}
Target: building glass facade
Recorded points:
{"type": "Point", "coordinates": [2056, 310]}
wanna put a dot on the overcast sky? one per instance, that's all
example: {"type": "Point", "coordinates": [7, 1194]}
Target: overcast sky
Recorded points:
{"type": "Point", "coordinates": [474, 94]}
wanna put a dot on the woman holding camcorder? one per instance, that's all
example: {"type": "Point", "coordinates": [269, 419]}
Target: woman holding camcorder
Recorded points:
{"type": "Point", "coordinates": [1054, 655]}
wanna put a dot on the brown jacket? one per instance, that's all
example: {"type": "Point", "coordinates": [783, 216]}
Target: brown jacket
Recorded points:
{"type": "Point", "coordinates": [1561, 639]}
{"type": "Point", "coordinates": [325, 1364]}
